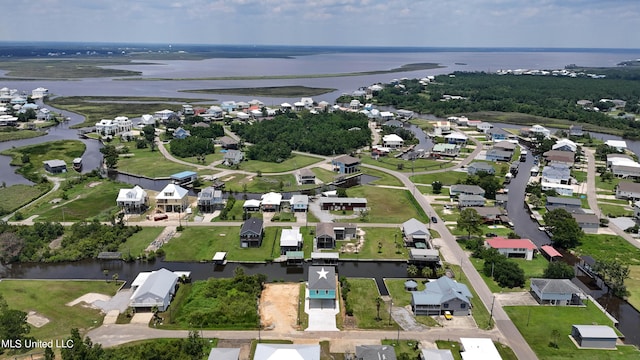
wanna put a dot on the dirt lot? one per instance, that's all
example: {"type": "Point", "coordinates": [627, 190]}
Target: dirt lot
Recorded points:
{"type": "Point", "coordinates": [279, 307]}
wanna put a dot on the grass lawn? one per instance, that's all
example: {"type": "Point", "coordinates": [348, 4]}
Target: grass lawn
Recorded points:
{"type": "Point", "coordinates": [399, 164]}
{"type": "Point", "coordinates": [296, 161]}
{"type": "Point", "coordinates": [536, 324]}
{"type": "Point", "coordinates": [89, 200]}
{"type": "Point", "coordinates": [139, 241]}
{"type": "Point", "coordinates": [610, 186]}
{"type": "Point", "coordinates": [446, 178]}
{"type": "Point", "coordinates": [362, 297]}
{"type": "Point", "coordinates": [303, 317]}
{"type": "Point", "coordinates": [384, 178]}
{"type": "Point", "coordinates": [479, 311]}
{"type": "Point", "coordinates": [201, 243]}
{"type": "Point", "coordinates": [151, 164]}
{"type": "Point", "coordinates": [389, 205]}
{"type": "Point", "coordinates": [633, 285]}
{"type": "Point", "coordinates": [602, 247]}
{"type": "Point", "coordinates": [209, 158]}
{"type": "Point", "coordinates": [532, 269]}
{"type": "Point", "coordinates": [19, 135]}
{"type": "Point", "coordinates": [615, 210]}
{"type": "Point", "coordinates": [48, 298]}
{"type": "Point", "coordinates": [15, 196]}
{"type": "Point", "coordinates": [262, 184]}
{"type": "Point", "coordinates": [324, 175]}
{"type": "Point", "coordinates": [400, 296]}
{"type": "Point", "coordinates": [384, 236]}
{"type": "Point", "coordinates": [580, 176]}
{"type": "Point", "coordinates": [407, 347]}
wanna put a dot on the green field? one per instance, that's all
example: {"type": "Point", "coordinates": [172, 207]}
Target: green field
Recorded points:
{"type": "Point", "coordinates": [633, 285]}
{"type": "Point", "coordinates": [363, 296]}
{"type": "Point", "coordinates": [532, 269]}
{"type": "Point", "coordinates": [201, 243]}
{"type": "Point", "coordinates": [400, 296]}
{"type": "Point", "coordinates": [138, 242]}
{"type": "Point", "coordinates": [446, 178]}
{"type": "Point", "coordinates": [296, 161]}
{"type": "Point", "coordinates": [261, 184]}
{"type": "Point", "coordinates": [48, 298]}
{"type": "Point", "coordinates": [152, 164]}
{"type": "Point", "coordinates": [326, 176]}
{"type": "Point", "coordinates": [389, 205]}
{"type": "Point", "coordinates": [615, 210]}
{"type": "Point", "coordinates": [384, 178]}
{"type": "Point", "coordinates": [602, 247]}
{"type": "Point", "coordinates": [19, 135]}
{"type": "Point", "coordinates": [15, 196]}
{"type": "Point", "coordinates": [65, 69]}
{"type": "Point", "coordinates": [536, 324]}
{"type": "Point", "coordinates": [375, 236]}
{"type": "Point", "coordinates": [393, 163]}
{"type": "Point", "coordinates": [87, 200]}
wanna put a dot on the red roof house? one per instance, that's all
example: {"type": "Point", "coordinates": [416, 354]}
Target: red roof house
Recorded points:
{"type": "Point", "coordinates": [523, 248]}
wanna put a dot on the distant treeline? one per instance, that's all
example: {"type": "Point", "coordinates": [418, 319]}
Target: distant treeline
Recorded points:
{"type": "Point", "coordinates": [547, 96]}
{"type": "Point", "coordinates": [323, 134]}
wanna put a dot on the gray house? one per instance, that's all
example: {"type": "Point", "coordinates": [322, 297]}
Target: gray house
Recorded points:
{"type": "Point", "coordinates": [589, 223]}
{"type": "Point", "coordinates": [442, 295]}
{"type": "Point", "coordinates": [251, 233]}
{"type": "Point", "coordinates": [375, 352]}
{"type": "Point", "coordinates": [55, 166]}
{"type": "Point", "coordinates": [555, 292]}
{"type": "Point", "coordinates": [436, 354]}
{"type": "Point", "coordinates": [233, 157]}
{"type": "Point", "coordinates": [154, 289]}
{"type": "Point", "coordinates": [287, 351]}
{"type": "Point", "coordinates": [594, 336]}
{"type": "Point", "coordinates": [553, 201]}
{"type": "Point", "coordinates": [458, 189]}
{"type": "Point", "coordinates": [465, 200]}
{"type": "Point", "coordinates": [210, 199]}
{"type": "Point", "coordinates": [475, 167]}
{"type": "Point", "coordinates": [328, 233]}
{"type": "Point", "coordinates": [224, 354]}
{"type": "Point", "coordinates": [415, 231]}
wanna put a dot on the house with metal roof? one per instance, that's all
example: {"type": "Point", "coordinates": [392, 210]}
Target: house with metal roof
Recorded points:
{"type": "Point", "coordinates": [299, 202]}
{"type": "Point", "coordinates": [306, 176]}
{"type": "Point", "coordinates": [498, 155]}
{"type": "Point", "coordinates": [375, 352]}
{"type": "Point", "coordinates": [589, 223]}
{"type": "Point", "coordinates": [458, 189]}
{"type": "Point", "coordinates": [392, 141]}
{"type": "Point", "coordinates": [251, 233]}
{"type": "Point", "coordinates": [415, 231]}
{"type": "Point", "coordinates": [290, 240]}
{"type": "Point", "coordinates": [594, 336]}
{"type": "Point", "coordinates": [443, 294]}
{"type": "Point", "coordinates": [346, 164]}
{"type": "Point", "coordinates": [322, 283]}
{"type": "Point", "coordinates": [556, 173]}
{"type": "Point", "coordinates": [271, 201]}
{"type": "Point", "coordinates": [184, 178]}
{"type": "Point", "coordinates": [328, 233]}
{"type": "Point", "coordinates": [173, 198]}
{"type": "Point", "coordinates": [134, 200]}
{"type": "Point", "coordinates": [287, 351]}
{"type": "Point", "coordinates": [465, 200]}
{"type": "Point", "coordinates": [563, 201]}
{"type": "Point", "coordinates": [565, 145]}
{"type": "Point", "coordinates": [456, 137]}
{"type": "Point", "coordinates": [559, 292]}
{"type": "Point", "coordinates": [210, 199]}
{"type": "Point", "coordinates": [443, 149]}
{"type": "Point", "coordinates": [479, 349]}
{"type": "Point", "coordinates": [478, 166]}
{"type": "Point", "coordinates": [55, 166]}
{"type": "Point", "coordinates": [436, 354]}
{"type": "Point", "coordinates": [628, 190]}
{"type": "Point", "coordinates": [521, 248]}
{"type": "Point", "coordinates": [157, 290]}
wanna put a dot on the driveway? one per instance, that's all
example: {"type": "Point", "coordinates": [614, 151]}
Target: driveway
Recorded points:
{"type": "Point", "coordinates": [322, 314]}
{"type": "Point", "coordinates": [520, 298]}
{"type": "Point", "coordinates": [119, 302]}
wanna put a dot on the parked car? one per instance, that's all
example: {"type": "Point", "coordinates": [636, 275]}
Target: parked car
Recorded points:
{"type": "Point", "coordinates": [434, 219]}
{"type": "Point", "coordinates": [492, 235]}
{"type": "Point", "coordinates": [447, 315]}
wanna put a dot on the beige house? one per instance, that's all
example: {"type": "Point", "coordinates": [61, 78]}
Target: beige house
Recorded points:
{"type": "Point", "coordinates": [172, 198]}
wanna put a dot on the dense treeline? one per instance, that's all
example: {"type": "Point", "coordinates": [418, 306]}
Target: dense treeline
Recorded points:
{"type": "Point", "coordinates": [324, 134]}
{"type": "Point", "coordinates": [546, 96]}
{"type": "Point", "coordinates": [83, 240]}
{"type": "Point", "coordinates": [223, 303]}
{"type": "Point", "coordinates": [192, 146]}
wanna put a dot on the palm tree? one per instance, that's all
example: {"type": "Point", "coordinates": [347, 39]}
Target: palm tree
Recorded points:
{"type": "Point", "coordinates": [378, 304]}
{"type": "Point", "coordinates": [115, 278]}
{"type": "Point", "coordinates": [106, 274]}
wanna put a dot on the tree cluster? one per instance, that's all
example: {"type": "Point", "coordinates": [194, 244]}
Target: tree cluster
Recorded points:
{"type": "Point", "coordinates": [566, 233]}
{"type": "Point", "coordinates": [192, 146]}
{"type": "Point", "coordinates": [558, 270]}
{"type": "Point", "coordinates": [470, 221]}
{"type": "Point", "coordinates": [613, 273]}
{"type": "Point", "coordinates": [324, 134]}
{"type": "Point", "coordinates": [488, 182]}
{"type": "Point", "coordinates": [27, 243]}
{"type": "Point", "coordinates": [13, 324]}
{"type": "Point", "coordinates": [505, 272]}
{"type": "Point", "coordinates": [546, 96]}
{"type": "Point", "coordinates": [223, 302]}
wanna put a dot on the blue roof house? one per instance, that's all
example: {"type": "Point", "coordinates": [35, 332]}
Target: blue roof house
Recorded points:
{"type": "Point", "coordinates": [181, 133]}
{"type": "Point", "coordinates": [442, 295]}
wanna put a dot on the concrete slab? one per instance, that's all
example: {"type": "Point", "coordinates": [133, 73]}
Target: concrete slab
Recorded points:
{"type": "Point", "coordinates": [520, 298]}
{"type": "Point", "coordinates": [120, 302]}
{"type": "Point", "coordinates": [111, 317]}
{"type": "Point", "coordinates": [142, 318]}
{"type": "Point", "coordinates": [322, 314]}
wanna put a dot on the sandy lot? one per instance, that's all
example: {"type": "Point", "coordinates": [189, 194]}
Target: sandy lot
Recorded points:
{"type": "Point", "coordinates": [279, 307]}
{"type": "Point", "coordinates": [89, 298]}
{"type": "Point", "coordinates": [36, 319]}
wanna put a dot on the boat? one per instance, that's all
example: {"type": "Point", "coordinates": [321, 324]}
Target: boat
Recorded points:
{"type": "Point", "coordinates": [77, 164]}
{"type": "Point", "coordinates": [460, 63]}
{"type": "Point", "coordinates": [220, 258]}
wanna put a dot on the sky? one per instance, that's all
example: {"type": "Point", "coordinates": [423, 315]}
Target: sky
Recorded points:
{"type": "Point", "coordinates": [422, 23]}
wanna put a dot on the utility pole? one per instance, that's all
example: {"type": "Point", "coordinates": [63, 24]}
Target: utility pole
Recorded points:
{"type": "Point", "coordinates": [491, 314]}
{"type": "Point", "coordinates": [390, 306]}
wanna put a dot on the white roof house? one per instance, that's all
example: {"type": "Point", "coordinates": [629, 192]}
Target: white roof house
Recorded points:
{"type": "Point", "coordinates": [271, 198]}
{"type": "Point", "coordinates": [479, 349]}
{"type": "Point", "coordinates": [172, 191]}
{"type": "Point", "coordinates": [251, 203]}
{"type": "Point", "coordinates": [173, 198]}
{"type": "Point", "coordinates": [565, 144]}
{"type": "Point", "coordinates": [287, 352]}
{"type": "Point", "coordinates": [136, 195]}
{"type": "Point", "coordinates": [618, 144]}
{"type": "Point", "coordinates": [392, 141]}
{"type": "Point", "coordinates": [156, 289]}
{"type": "Point", "coordinates": [147, 119]}
{"type": "Point", "coordinates": [541, 130]}
{"type": "Point", "coordinates": [290, 237]}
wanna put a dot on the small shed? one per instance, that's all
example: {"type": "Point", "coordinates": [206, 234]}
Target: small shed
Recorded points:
{"type": "Point", "coordinates": [411, 285]}
{"type": "Point", "coordinates": [594, 336]}
{"type": "Point", "coordinates": [55, 166]}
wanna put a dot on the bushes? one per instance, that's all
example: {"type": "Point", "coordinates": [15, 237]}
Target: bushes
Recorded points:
{"type": "Point", "coordinates": [345, 287]}
{"type": "Point", "coordinates": [227, 208]}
